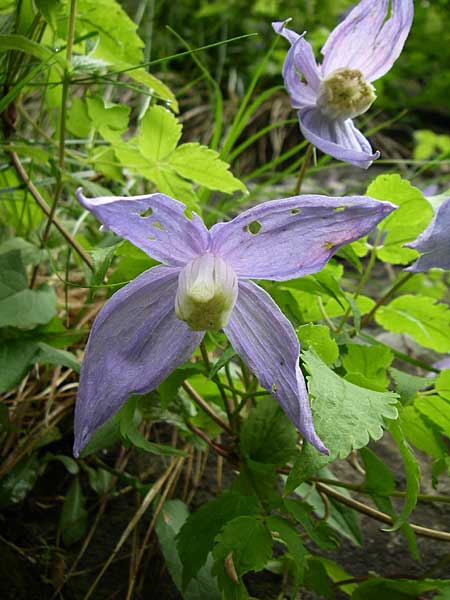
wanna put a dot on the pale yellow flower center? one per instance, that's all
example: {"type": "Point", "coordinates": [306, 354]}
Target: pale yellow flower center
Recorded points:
{"type": "Point", "coordinates": [345, 94]}
{"type": "Point", "coordinates": [206, 294]}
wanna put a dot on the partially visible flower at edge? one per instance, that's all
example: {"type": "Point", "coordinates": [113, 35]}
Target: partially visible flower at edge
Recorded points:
{"type": "Point", "coordinates": [360, 50]}
{"type": "Point", "coordinates": [434, 242]}
{"type": "Point", "coordinates": [142, 333]}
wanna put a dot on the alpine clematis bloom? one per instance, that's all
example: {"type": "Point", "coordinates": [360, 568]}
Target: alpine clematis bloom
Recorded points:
{"type": "Point", "coordinates": [359, 51]}
{"type": "Point", "coordinates": [153, 324]}
{"type": "Point", "coordinates": [434, 242]}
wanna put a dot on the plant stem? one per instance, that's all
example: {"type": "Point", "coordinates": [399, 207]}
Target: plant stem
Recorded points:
{"type": "Point", "coordinates": [62, 130]}
{"type": "Point", "coordinates": [303, 168]}
{"type": "Point", "coordinates": [387, 296]}
{"type": "Point", "coordinates": [195, 396]}
{"type": "Point", "coordinates": [46, 209]}
{"type": "Point", "coordinates": [228, 404]}
{"type": "Point", "coordinates": [379, 516]}
{"type": "Point", "coordinates": [364, 278]}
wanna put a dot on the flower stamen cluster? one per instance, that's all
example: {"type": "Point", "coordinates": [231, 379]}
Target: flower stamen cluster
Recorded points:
{"type": "Point", "coordinates": [345, 94]}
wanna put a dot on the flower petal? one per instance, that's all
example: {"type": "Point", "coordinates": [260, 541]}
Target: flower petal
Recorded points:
{"type": "Point", "coordinates": [135, 343]}
{"type": "Point", "coordinates": [340, 139]}
{"type": "Point", "coordinates": [267, 342]}
{"type": "Point", "coordinates": [294, 236]}
{"type": "Point", "coordinates": [155, 223]}
{"type": "Point", "coordinates": [299, 59]}
{"type": "Point", "coordinates": [366, 40]}
{"type": "Point", "coordinates": [434, 242]}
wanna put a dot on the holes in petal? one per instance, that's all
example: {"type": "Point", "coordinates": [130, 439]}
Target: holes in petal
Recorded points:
{"type": "Point", "coordinates": [339, 208]}
{"type": "Point", "coordinates": [295, 211]}
{"type": "Point", "coordinates": [158, 225]}
{"type": "Point", "coordinates": [328, 245]}
{"type": "Point", "coordinates": [254, 227]}
{"type": "Point", "coordinates": [147, 212]}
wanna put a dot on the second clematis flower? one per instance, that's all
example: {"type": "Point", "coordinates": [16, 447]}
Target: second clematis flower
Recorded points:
{"type": "Point", "coordinates": [358, 52]}
{"type": "Point", "coordinates": [152, 325]}
{"type": "Point", "coordinates": [434, 242]}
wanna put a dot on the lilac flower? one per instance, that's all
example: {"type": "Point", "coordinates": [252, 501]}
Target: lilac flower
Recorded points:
{"type": "Point", "coordinates": [152, 325]}
{"type": "Point", "coordinates": [359, 51]}
{"type": "Point", "coordinates": [434, 242]}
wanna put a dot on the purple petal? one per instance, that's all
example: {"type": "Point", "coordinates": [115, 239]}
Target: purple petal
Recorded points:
{"type": "Point", "coordinates": [295, 236]}
{"type": "Point", "coordinates": [266, 341]}
{"type": "Point", "coordinates": [135, 343]}
{"type": "Point", "coordinates": [434, 242]}
{"type": "Point", "coordinates": [366, 41]}
{"type": "Point", "coordinates": [155, 223]}
{"type": "Point", "coordinates": [299, 59]}
{"type": "Point", "coordinates": [340, 139]}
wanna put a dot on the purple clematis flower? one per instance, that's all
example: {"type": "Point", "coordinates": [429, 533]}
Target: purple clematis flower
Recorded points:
{"type": "Point", "coordinates": [434, 242]}
{"type": "Point", "coordinates": [359, 51]}
{"type": "Point", "coordinates": [153, 324]}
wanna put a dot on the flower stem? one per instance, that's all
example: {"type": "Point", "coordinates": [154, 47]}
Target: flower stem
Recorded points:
{"type": "Point", "coordinates": [227, 402]}
{"type": "Point", "coordinates": [303, 168]}
{"type": "Point", "coordinates": [387, 296]}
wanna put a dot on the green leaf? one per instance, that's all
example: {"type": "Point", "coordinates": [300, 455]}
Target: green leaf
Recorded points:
{"type": "Point", "coordinates": [55, 356]}
{"type": "Point", "coordinates": [412, 471]}
{"type": "Point", "coordinates": [227, 355]}
{"type": "Point", "coordinates": [442, 384]}
{"type": "Point", "coordinates": [130, 418]}
{"type": "Point", "coordinates": [13, 277]}
{"type": "Point", "coordinates": [23, 44]}
{"type": "Point", "coordinates": [28, 308]}
{"type": "Point", "coordinates": [16, 356]}
{"type": "Point", "coordinates": [159, 134]}
{"type": "Point", "coordinates": [196, 537]}
{"type": "Point", "coordinates": [267, 435]}
{"type": "Point", "coordinates": [73, 520]}
{"type": "Point", "coordinates": [78, 121]}
{"type": "Point", "coordinates": [318, 338]}
{"type": "Point", "coordinates": [380, 483]}
{"type": "Point", "coordinates": [203, 165]}
{"type": "Point", "coordinates": [111, 120]}
{"type": "Point", "coordinates": [366, 366]}
{"type": "Point", "coordinates": [70, 464]}
{"type": "Point", "coordinates": [408, 385]}
{"type": "Point", "coordinates": [437, 409]}
{"type": "Point", "coordinates": [421, 432]}
{"type": "Point", "coordinates": [339, 517]}
{"type": "Point", "coordinates": [20, 480]}
{"type": "Point", "coordinates": [345, 417]}
{"type": "Point", "coordinates": [155, 86]}
{"type": "Point", "coordinates": [421, 317]}
{"type": "Point", "coordinates": [168, 524]}
{"type": "Point", "coordinates": [244, 545]}
{"type": "Point", "coordinates": [287, 533]}
{"type": "Point", "coordinates": [318, 530]}
{"type": "Point", "coordinates": [397, 589]}
{"type": "Point", "coordinates": [405, 223]}
{"type": "Point", "coordinates": [29, 253]}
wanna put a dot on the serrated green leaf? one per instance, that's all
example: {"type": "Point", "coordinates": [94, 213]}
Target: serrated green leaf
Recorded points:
{"type": "Point", "coordinates": [366, 366]}
{"type": "Point", "coordinates": [246, 542]}
{"type": "Point", "coordinates": [196, 537]}
{"type": "Point", "coordinates": [318, 530]}
{"type": "Point", "coordinates": [159, 134]}
{"type": "Point", "coordinates": [318, 338]}
{"type": "Point", "coordinates": [111, 120]}
{"type": "Point", "coordinates": [408, 385]}
{"type": "Point", "coordinates": [203, 165]}
{"type": "Point", "coordinates": [345, 417]}
{"type": "Point", "coordinates": [421, 317]}
{"type": "Point", "coordinates": [168, 524]}
{"type": "Point", "coordinates": [155, 85]}
{"type": "Point", "coordinates": [267, 435]}
{"type": "Point", "coordinates": [405, 223]}
{"type": "Point", "coordinates": [288, 534]}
